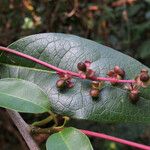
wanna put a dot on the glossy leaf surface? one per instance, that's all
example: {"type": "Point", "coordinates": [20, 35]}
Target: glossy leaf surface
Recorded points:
{"type": "Point", "coordinates": [23, 96]}
{"type": "Point", "coordinates": [68, 139]}
{"type": "Point", "coordinates": [66, 51]}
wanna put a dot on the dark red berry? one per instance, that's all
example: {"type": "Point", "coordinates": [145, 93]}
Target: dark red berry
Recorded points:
{"type": "Point", "coordinates": [69, 84]}
{"type": "Point", "coordinates": [119, 71]}
{"type": "Point", "coordinates": [81, 66]}
{"type": "Point", "coordinates": [134, 96]}
{"type": "Point", "coordinates": [144, 77]}
{"type": "Point", "coordinates": [87, 63]}
{"type": "Point", "coordinates": [90, 73]}
{"type": "Point", "coordinates": [61, 84]}
{"type": "Point", "coordinates": [94, 93]}
{"type": "Point", "coordinates": [144, 71]}
{"type": "Point", "coordinates": [111, 73]}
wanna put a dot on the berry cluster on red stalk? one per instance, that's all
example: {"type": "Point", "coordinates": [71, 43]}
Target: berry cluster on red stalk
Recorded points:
{"type": "Point", "coordinates": [64, 81]}
{"type": "Point", "coordinates": [84, 72]}
{"type": "Point", "coordinates": [95, 88]}
{"type": "Point", "coordinates": [133, 92]}
{"type": "Point", "coordinates": [84, 69]}
{"type": "Point", "coordinates": [142, 80]}
{"type": "Point", "coordinates": [116, 74]}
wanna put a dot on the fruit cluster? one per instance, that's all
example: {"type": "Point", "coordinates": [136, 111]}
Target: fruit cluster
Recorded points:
{"type": "Point", "coordinates": [117, 73]}
{"type": "Point", "coordinates": [84, 68]}
{"type": "Point", "coordinates": [64, 81]}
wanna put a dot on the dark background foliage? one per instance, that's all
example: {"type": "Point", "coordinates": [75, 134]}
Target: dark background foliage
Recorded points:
{"type": "Point", "coordinates": [121, 24]}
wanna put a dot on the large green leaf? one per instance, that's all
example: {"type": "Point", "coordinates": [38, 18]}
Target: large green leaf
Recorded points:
{"type": "Point", "coordinates": [65, 51]}
{"type": "Point", "coordinates": [23, 96]}
{"type": "Point", "coordinates": [68, 139]}
{"type": "Point", "coordinates": [143, 51]}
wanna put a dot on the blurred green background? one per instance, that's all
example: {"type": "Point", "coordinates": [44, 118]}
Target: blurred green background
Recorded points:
{"type": "Point", "coordinates": [120, 24]}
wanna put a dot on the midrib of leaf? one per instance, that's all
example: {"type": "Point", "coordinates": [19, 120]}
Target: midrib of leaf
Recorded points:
{"type": "Point", "coordinates": [23, 100]}
{"type": "Point", "coordinates": [29, 68]}
{"type": "Point", "coordinates": [64, 140]}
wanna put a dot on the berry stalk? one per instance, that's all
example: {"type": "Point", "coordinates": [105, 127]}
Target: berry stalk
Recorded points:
{"type": "Point", "coordinates": [39, 61]}
{"type": "Point", "coordinates": [59, 70]}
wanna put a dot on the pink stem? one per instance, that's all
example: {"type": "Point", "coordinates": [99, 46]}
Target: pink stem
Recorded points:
{"type": "Point", "coordinates": [38, 61]}
{"type": "Point", "coordinates": [115, 139]}
{"type": "Point", "coordinates": [58, 70]}
{"type": "Point", "coordinates": [115, 80]}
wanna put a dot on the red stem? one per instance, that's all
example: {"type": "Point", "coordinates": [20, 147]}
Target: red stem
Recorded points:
{"type": "Point", "coordinates": [115, 139]}
{"type": "Point", "coordinates": [58, 70]}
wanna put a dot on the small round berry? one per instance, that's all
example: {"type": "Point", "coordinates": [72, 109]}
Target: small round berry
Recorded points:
{"type": "Point", "coordinates": [111, 73]}
{"type": "Point", "coordinates": [144, 71]}
{"type": "Point", "coordinates": [81, 66]}
{"type": "Point", "coordinates": [144, 77]}
{"type": "Point", "coordinates": [134, 96]}
{"type": "Point", "coordinates": [94, 93]}
{"type": "Point", "coordinates": [61, 84]}
{"type": "Point", "coordinates": [90, 73]}
{"type": "Point", "coordinates": [119, 71]}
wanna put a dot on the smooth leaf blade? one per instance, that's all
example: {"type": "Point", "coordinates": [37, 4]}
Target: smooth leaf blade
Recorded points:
{"type": "Point", "coordinates": [66, 51]}
{"type": "Point", "coordinates": [22, 96]}
{"type": "Point", "coordinates": [143, 51]}
{"type": "Point", "coordinates": [68, 139]}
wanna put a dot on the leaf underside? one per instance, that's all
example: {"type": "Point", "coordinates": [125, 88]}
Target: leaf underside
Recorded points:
{"type": "Point", "coordinates": [66, 51]}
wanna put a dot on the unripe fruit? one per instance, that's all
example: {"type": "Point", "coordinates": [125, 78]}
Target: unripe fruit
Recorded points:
{"type": "Point", "coordinates": [81, 66]}
{"type": "Point", "coordinates": [119, 71]}
{"type": "Point", "coordinates": [111, 73]}
{"type": "Point", "coordinates": [144, 77]}
{"type": "Point", "coordinates": [144, 71]}
{"type": "Point", "coordinates": [134, 96]}
{"type": "Point", "coordinates": [94, 93]}
{"type": "Point", "coordinates": [61, 84]}
{"type": "Point", "coordinates": [90, 73]}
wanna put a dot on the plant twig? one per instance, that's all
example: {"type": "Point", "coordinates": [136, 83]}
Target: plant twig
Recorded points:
{"type": "Point", "coordinates": [24, 129]}
{"type": "Point", "coordinates": [73, 11]}
{"type": "Point", "coordinates": [43, 122]}
{"type": "Point", "coordinates": [59, 70]}
{"type": "Point", "coordinates": [115, 139]}
{"type": "Point", "coordinates": [50, 130]}
{"type": "Point", "coordinates": [8, 125]}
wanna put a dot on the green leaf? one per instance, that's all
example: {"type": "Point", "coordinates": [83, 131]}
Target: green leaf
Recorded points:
{"type": "Point", "coordinates": [134, 9]}
{"type": "Point", "coordinates": [66, 51]}
{"type": "Point", "coordinates": [68, 139]}
{"type": "Point", "coordinates": [143, 51]}
{"type": "Point", "coordinates": [23, 96]}
{"type": "Point", "coordinates": [148, 1]}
